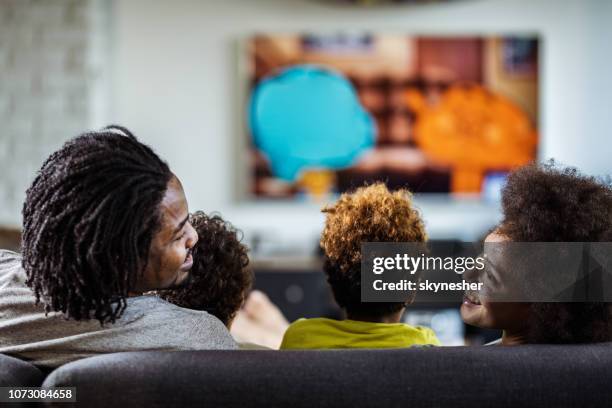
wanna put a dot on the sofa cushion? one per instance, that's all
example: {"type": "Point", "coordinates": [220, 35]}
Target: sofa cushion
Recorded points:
{"type": "Point", "coordinates": [15, 372]}
{"type": "Point", "coordinates": [568, 376]}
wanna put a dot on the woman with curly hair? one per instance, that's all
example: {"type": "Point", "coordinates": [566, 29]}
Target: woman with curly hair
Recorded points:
{"type": "Point", "coordinates": [544, 203]}
{"type": "Point", "coordinates": [370, 214]}
{"type": "Point", "coordinates": [220, 279]}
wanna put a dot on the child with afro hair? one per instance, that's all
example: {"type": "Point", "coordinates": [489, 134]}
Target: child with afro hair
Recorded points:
{"type": "Point", "coordinates": [370, 214]}
{"type": "Point", "coordinates": [220, 279]}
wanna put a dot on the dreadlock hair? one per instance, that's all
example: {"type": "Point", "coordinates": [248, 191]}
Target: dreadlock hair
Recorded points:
{"type": "Point", "coordinates": [88, 221]}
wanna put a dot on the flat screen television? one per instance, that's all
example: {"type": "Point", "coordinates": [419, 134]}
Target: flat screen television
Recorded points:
{"type": "Point", "coordinates": [435, 114]}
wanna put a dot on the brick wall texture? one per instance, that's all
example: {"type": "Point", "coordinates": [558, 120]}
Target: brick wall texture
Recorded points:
{"type": "Point", "coordinates": [45, 88]}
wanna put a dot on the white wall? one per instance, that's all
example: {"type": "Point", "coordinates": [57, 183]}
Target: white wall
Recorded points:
{"type": "Point", "coordinates": [51, 85]}
{"type": "Point", "coordinates": [175, 85]}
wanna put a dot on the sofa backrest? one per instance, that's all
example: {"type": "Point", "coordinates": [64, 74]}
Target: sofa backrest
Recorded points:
{"type": "Point", "coordinates": [565, 376]}
{"type": "Point", "coordinates": [15, 372]}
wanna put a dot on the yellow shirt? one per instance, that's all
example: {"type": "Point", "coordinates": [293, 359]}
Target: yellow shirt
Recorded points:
{"type": "Point", "coordinates": [321, 333]}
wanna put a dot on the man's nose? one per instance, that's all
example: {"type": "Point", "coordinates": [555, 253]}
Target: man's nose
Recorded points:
{"type": "Point", "coordinates": [193, 237]}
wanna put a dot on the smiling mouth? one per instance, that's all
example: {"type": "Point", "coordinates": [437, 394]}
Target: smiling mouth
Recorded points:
{"type": "Point", "coordinates": [471, 300]}
{"type": "Point", "coordinates": [188, 262]}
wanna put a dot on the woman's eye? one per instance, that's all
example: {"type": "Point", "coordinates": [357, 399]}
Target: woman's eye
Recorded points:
{"type": "Point", "coordinates": [180, 237]}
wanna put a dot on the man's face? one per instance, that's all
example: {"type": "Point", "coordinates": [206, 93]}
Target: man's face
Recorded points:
{"type": "Point", "coordinates": [170, 256]}
{"type": "Point", "coordinates": [478, 311]}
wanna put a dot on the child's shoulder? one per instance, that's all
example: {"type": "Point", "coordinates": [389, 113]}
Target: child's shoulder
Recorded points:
{"type": "Point", "coordinates": [425, 334]}
{"type": "Point", "coordinates": [311, 321]}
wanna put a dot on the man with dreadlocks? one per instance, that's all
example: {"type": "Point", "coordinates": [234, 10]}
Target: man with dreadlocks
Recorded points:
{"type": "Point", "coordinates": [104, 221]}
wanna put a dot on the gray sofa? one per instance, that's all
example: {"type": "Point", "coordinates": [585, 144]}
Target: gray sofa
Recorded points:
{"type": "Point", "coordinates": [14, 372]}
{"type": "Point", "coordinates": [524, 376]}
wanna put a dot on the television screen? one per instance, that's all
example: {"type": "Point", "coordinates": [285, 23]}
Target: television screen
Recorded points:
{"type": "Point", "coordinates": [328, 113]}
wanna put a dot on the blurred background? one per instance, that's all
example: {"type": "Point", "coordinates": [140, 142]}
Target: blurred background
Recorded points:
{"type": "Point", "coordinates": [182, 76]}
{"type": "Point", "coordinates": [445, 114]}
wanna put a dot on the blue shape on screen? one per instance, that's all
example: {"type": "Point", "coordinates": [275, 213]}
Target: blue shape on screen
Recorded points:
{"type": "Point", "coordinates": [493, 185]}
{"type": "Point", "coordinates": [309, 117]}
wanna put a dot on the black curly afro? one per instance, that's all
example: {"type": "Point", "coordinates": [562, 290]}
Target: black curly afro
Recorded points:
{"type": "Point", "coordinates": [546, 203]}
{"type": "Point", "coordinates": [220, 279]}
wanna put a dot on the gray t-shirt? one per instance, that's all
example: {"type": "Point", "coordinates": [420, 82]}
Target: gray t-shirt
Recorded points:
{"type": "Point", "coordinates": [148, 323]}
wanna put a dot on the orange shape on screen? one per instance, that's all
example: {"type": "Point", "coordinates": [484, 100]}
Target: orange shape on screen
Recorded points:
{"type": "Point", "coordinates": [473, 131]}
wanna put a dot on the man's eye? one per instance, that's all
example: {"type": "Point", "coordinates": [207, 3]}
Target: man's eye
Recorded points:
{"type": "Point", "coordinates": [180, 237]}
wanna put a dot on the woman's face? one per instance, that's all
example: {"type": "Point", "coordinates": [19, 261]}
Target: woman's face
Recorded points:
{"type": "Point", "coordinates": [478, 310]}
{"type": "Point", "coordinates": [170, 258]}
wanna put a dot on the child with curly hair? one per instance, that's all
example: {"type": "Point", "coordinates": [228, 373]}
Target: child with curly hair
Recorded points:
{"type": "Point", "coordinates": [220, 279]}
{"type": "Point", "coordinates": [370, 214]}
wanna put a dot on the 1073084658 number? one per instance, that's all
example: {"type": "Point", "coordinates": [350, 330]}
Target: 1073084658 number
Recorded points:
{"type": "Point", "coordinates": [32, 394]}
